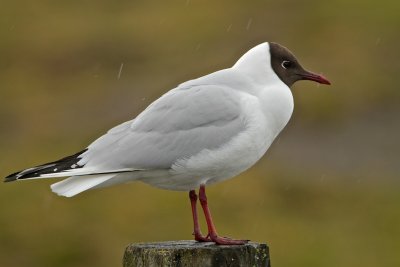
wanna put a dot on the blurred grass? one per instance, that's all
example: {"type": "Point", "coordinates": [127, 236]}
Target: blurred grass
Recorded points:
{"type": "Point", "coordinates": [327, 194]}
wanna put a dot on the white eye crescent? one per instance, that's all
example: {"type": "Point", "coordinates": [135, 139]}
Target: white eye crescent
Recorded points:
{"type": "Point", "coordinates": [286, 64]}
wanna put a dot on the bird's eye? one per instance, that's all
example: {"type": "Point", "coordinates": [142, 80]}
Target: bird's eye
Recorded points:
{"type": "Point", "coordinates": [286, 64]}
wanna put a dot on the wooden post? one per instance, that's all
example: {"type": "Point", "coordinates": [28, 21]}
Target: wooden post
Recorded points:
{"type": "Point", "coordinates": [195, 254]}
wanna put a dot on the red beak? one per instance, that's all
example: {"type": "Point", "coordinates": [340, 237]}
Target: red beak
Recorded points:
{"type": "Point", "coordinates": [314, 77]}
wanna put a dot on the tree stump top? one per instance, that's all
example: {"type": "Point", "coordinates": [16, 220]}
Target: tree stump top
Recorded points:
{"type": "Point", "coordinates": [192, 253]}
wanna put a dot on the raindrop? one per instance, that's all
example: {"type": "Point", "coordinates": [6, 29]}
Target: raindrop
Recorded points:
{"type": "Point", "coordinates": [249, 23]}
{"type": "Point", "coordinates": [120, 70]}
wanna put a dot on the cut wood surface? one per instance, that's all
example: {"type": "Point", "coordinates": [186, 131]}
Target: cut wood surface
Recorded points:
{"type": "Point", "coordinates": [195, 254]}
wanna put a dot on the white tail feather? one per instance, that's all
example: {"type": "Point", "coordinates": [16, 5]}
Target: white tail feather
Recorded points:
{"type": "Point", "coordinates": [121, 178]}
{"type": "Point", "coordinates": [77, 184]}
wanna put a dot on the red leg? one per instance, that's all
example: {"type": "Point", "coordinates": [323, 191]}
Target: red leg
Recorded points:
{"type": "Point", "coordinates": [198, 236]}
{"type": "Point", "coordinates": [212, 231]}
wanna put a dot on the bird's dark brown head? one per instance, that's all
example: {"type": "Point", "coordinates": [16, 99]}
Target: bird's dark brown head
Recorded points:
{"type": "Point", "coordinates": [288, 69]}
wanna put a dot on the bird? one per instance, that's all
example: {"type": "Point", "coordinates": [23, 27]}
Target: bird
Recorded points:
{"type": "Point", "coordinates": [203, 131]}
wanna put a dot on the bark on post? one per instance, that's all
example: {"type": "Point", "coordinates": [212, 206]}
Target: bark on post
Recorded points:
{"type": "Point", "coordinates": [194, 254]}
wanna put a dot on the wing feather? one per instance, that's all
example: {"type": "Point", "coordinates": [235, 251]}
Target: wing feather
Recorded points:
{"type": "Point", "coordinates": [181, 123]}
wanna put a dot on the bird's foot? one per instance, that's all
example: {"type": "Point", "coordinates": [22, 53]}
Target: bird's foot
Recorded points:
{"type": "Point", "coordinates": [221, 240]}
{"type": "Point", "coordinates": [201, 238]}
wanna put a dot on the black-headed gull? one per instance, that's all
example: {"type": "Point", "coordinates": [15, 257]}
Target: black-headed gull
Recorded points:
{"type": "Point", "coordinates": [204, 131]}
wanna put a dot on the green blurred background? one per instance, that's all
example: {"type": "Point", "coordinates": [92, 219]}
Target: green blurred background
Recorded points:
{"type": "Point", "coordinates": [326, 194]}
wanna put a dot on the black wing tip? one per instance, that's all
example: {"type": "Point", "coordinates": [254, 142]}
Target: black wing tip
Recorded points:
{"type": "Point", "coordinates": [12, 177]}
{"type": "Point", "coordinates": [43, 169]}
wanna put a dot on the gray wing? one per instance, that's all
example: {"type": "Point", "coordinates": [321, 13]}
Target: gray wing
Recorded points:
{"type": "Point", "coordinates": [179, 124]}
